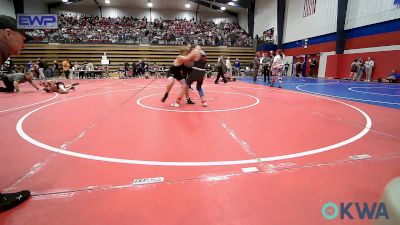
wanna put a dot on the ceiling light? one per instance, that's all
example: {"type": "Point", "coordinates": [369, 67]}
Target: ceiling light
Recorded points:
{"type": "Point", "coordinates": [223, 8]}
{"type": "Point", "coordinates": [231, 3]}
{"type": "Point", "coordinates": [150, 4]}
{"type": "Point", "coordinates": [107, 1]}
{"type": "Point", "coordinates": [64, 0]}
{"type": "Point", "coordinates": [187, 5]}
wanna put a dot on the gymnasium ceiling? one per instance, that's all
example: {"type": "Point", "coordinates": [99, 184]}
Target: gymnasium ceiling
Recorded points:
{"type": "Point", "coordinates": [205, 5]}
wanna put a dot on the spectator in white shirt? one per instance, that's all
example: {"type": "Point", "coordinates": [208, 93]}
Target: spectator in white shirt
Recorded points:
{"type": "Point", "coordinates": [369, 65]}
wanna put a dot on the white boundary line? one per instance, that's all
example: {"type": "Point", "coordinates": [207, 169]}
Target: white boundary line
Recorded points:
{"type": "Point", "coordinates": [372, 93]}
{"type": "Point", "coordinates": [200, 111]}
{"type": "Point", "coordinates": [22, 133]}
{"type": "Point", "coordinates": [24, 106]}
{"type": "Point", "coordinates": [336, 96]}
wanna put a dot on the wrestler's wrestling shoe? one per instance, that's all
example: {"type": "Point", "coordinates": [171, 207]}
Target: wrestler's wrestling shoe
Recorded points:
{"type": "Point", "coordinates": [189, 101]}
{"type": "Point", "coordinates": [10, 200]}
{"type": "Point", "coordinates": [175, 104]}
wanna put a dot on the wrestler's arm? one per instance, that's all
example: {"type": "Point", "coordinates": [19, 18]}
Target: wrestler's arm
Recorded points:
{"type": "Point", "coordinates": [16, 86]}
{"type": "Point", "coordinates": [189, 58]}
{"type": "Point", "coordinates": [33, 85]}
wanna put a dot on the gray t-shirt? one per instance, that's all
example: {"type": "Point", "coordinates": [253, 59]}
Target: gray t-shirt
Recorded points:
{"type": "Point", "coordinates": [19, 77]}
{"type": "Point", "coordinates": [220, 61]}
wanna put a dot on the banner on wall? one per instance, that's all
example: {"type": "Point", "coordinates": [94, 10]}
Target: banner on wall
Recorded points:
{"type": "Point", "coordinates": [397, 3]}
{"type": "Point", "coordinates": [37, 21]}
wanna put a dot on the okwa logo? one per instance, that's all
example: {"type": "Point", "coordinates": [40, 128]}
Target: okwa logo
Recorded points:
{"type": "Point", "coordinates": [351, 210]}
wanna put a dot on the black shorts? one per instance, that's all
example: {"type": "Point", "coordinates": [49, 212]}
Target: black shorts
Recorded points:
{"type": "Point", "coordinates": [195, 76]}
{"type": "Point", "coordinates": [178, 77]}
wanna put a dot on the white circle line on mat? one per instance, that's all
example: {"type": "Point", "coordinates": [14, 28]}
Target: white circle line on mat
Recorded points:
{"type": "Point", "coordinates": [200, 111]}
{"type": "Point", "coordinates": [21, 132]}
{"type": "Point", "coordinates": [25, 106]}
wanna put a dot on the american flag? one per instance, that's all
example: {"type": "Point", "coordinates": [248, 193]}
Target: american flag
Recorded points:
{"type": "Point", "coordinates": [309, 7]}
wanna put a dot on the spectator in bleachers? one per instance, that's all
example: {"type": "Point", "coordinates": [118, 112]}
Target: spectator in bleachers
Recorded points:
{"type": "Point", "coordinates": [132, 30]}
{"type": "Point", "coordinates": [29, 66]}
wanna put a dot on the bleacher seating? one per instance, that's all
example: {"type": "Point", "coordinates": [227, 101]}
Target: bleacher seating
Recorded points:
{"type": "Point", "coordinates": [118, 54]}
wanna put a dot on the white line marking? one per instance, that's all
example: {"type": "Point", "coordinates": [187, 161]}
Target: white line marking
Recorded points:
{"type": "Point", "coordinates": [24, 106]}
{"type": "Point", "coordinates": [241, 142]}
{"type": "Point", "coordinates": [360, 157]}
{"type": "Point", "coordinates": [200, 111]}
{"type": "Point", "coordinates": [217, 178]}
{"type": "Point", "coordinates": [372, 93]}
{"type": "Point", "coordinates": [35, 168]}
{"type": "Point", "coordinates": [21, 132]}
{"type": "Point", "coordinates": [336, 96]}
{"type": "Point", "coordinates": [53, 196]}
{"type": "Point", "coordinates": [250, 169]}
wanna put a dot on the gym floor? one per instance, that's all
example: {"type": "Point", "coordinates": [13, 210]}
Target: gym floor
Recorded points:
{"type": "Point", "coordinates": [256, 155]}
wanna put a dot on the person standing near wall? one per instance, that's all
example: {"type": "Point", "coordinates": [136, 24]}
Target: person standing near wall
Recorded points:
{"type": "Point", "coordinates": [353, 70]}
{"type": "Point", "coordinates": [313, 66]}
{"type": "Point", "coordinates": [360, 69]}
{"type": "Point", "coordinates": [299, 68]}
{"type": "Point", "coordinates": [369, 65]}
